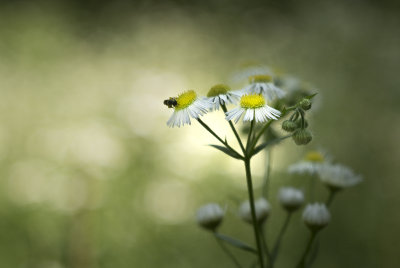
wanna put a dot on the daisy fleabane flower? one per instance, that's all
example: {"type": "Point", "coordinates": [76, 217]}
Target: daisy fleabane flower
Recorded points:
{"type": "Point", "coordinates": [311, 164]}
{"type": "Point", "coordinates": [221, 94]}
{"type": "Point", "coordinates": [338, 176]}
{"type": "Point", "coordinates": [249, 69]}
{"type": "Point", "coordinates": [254, 107]}
{"type": "Point", "coordinates": [264, 84]}
{"type": "Point", "coordinates": [186, 105]}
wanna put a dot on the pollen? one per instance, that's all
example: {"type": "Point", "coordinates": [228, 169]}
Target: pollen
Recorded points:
{"type": "Point", "coordinates": [260, 78]}
{"type": "Point", "coordinates": [314, 156]}
{"type": "Point", "coordinates": [185, 99]}
{"type": "Point", "coordinates": [217, 90]}
{"type": "Point", "coordinates": [252, 101]}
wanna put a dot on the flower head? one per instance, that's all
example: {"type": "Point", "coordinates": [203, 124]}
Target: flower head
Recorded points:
{"type": "Point", "coordinates": [291, 198]}
{"type": "Point", "coordinates": [316, 216]}
{"type": "Point", "coordinates": [186, 105]}
{"type": "Point", "coordinates": [337, 176]}
{"type": "Point", "coordinates": [210, 216]}
{"type": "Point", "coordinates": [311, 164]}
{"type": "Point", "coordinates": [264, 84]}
{"type": "Point", "coordinates": [262, 208]}
{"type": "Point", "coordinates": [221, 94]}
{"type": "Point", "coordinates": [254, 107]}
{"type": "Point", "coordinates": [249, 69]}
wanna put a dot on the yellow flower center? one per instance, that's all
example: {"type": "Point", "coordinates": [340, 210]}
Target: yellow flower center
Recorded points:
{"type": "Point", "coordinates": [252, 101]}
{"type": "Point", "coordinates": [314, 156]}
{"type": "Point", "coordinates": [185, 99]}
{"type": "Point", "coordinates": [260, 78]}
{"type": "Point", "coordinates": [217, 90]}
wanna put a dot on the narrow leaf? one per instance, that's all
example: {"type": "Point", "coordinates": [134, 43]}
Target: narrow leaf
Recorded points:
{"type": "Point", "coordinates": [260, 147]}
{"type": "Point", "coordinates": [311, 96]}
{"type": "Point", "coordinates": [227, 151]}
{"type": "Point", "coordinates": [236, 243]}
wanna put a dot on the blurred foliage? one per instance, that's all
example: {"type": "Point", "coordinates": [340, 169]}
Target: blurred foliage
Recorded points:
{"type": "Point", "coordinates": [92, 177]}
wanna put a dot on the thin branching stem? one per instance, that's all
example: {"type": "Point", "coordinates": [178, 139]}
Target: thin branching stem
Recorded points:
{"type": "Point", "coordinates": [331, 196]}
{"type": "Point", "coordinates": [267, 173]}
{"type": "Point", "coordinates": [278, 242]}
{"type": "Point", "coordinates": [228, 253]}
{"type": "Point", "coordinates": [302, 262]}
{"type": "Point", "coordinates": [257, 232]}
{"type": "Point", "coordinates": [234, 129]}
{"type": "Point", "coordinates": [217, 137]}
{"type": "Point", "coordinates": [266, 248]}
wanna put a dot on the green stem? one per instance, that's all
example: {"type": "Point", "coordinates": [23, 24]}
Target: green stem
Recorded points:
{"type": "Point", "coordinates": [265, 245]}
{"type": "Point", "coordinates": [257, 233]}
{"type": "Point", "coordinates": [249, 139]}
{"type": "Point", "coordinates": [312, 188]}
{"type": "Point", "coordinates": [280, 236]}
{"type": "Point", "coordinates": [216, 136]}
{"type": "Point", "coordinates": [302, 262]}
{"type": "Point", "coordinates": [267, 173]}
{"type": "Point", "coordinates": [331, 196]}
{"type": "Point", "coordinates": [303, 124]}
{"type": "Point", "coordinates": [265, 127]}
{"type": "Point", "coordinates": [233, 129]}
{"type": "Point", "coordinates": [228, 253]}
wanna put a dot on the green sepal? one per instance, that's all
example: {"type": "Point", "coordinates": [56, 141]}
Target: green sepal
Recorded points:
{"type": "Point", "coordinates": [311, 96]}
{"type": "Point", "coordinates": [227, 151]}
{"type": "Point", "coordinates": [236, 243]}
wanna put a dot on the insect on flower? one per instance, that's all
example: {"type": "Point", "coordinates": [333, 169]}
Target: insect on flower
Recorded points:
{"type": "Point", "coordinates": [171, 102]}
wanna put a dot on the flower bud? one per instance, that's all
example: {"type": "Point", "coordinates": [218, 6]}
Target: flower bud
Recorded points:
{"type": "Point", "coordinates": [302, 136]}
{"type": "Point", "coordinates": [210, 216]}
{"type": "Point", "coordinates": [289, 126]}
{"type": "Point", "coordinates": [305, 104]}
{"type": "Point", "coordinates": [291, 198]}
{"type": "Point", "coordinates": [316, 216]}
{"type": "Point", "coordinates": [262, 209]}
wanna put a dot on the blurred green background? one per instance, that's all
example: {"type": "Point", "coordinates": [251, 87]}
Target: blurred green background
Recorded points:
{"type": "Point", "coordinates": [91, 176]}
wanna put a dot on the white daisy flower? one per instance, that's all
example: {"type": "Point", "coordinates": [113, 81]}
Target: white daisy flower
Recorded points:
{"type": "Point", "coordinates": [249, 70]}
{"type": "Point", "coordinates": [210, 216]}
{"type": "Point", "coordinates": [264, 84]}
{"type": "Point", "coordinates": [222, 94]}
{"type": "Point", "coordinates": [186, 105]}
{"type": "Point", "coordinates": [338, 176]}
{"type": "Point", "coordinates": [291, 198]}
{"type": "Point", "coordinates": [262, 209]}
{"type": "Point", "coordinates": [311, 163]}
{"type": "Point", "coordinates": [254, 107]}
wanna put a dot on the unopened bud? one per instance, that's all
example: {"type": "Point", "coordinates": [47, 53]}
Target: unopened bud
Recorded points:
{"type": "Point", "coordinates": [316, 216]}
{"type": "Point", "coordinates": [289, 126]}
{"type": "Point", "coordinates": [305, 104]}
{"type": "Point", "coordinates": [291, 198]}
{"type": "Point", "coordinates": [262, 209]}
{"type": "Point", "coordinates": [210, 216]}
{"type": "Point", "coordinates": [302, 136]}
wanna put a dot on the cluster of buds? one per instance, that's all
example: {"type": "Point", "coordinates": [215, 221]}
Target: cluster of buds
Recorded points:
{"type": "Point", "coordinates": [297, 124]}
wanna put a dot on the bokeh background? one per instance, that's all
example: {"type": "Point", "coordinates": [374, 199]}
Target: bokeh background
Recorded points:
{"type": "Point", "coordinates": [91, 176]}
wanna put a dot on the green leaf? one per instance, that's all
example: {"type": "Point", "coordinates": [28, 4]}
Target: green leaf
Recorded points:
{"type": "Point", "coordinates": [260, 147]}
{"type": "Point", "coordinates": [236, 243]}
{"type": "Point", "coordinates": [227, 151]}
{"type": "Point", "coordinates": [311, 96]}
